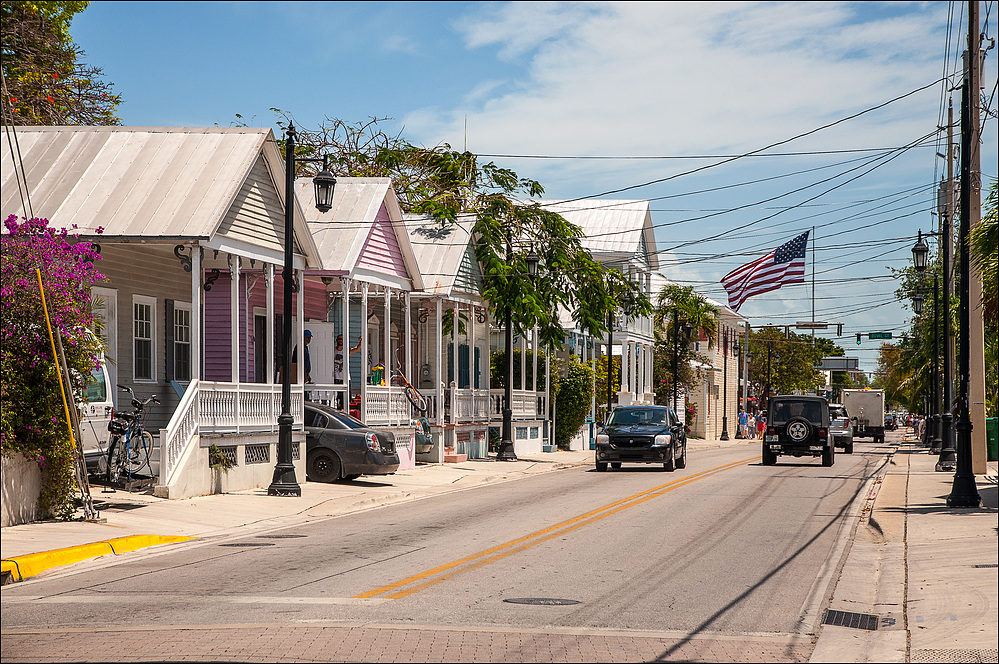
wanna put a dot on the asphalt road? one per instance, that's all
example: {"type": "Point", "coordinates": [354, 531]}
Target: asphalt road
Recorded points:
{"type": "Point", "coordinates": [725, 550]}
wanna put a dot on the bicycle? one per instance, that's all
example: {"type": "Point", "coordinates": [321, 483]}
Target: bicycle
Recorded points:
{"type": "Point", "coordinates": [419, 401]}
{"type": "Point", "coordinates": [129, 443]}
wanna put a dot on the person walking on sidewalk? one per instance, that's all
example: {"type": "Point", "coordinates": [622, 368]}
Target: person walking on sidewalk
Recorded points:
{"type": "Point", "coordinates": [743, 423]}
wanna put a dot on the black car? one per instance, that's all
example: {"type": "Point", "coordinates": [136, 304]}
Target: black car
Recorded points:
{"type": "Point", "coordinates": [339, 446]}
{"type": "Point", "coordinates": [642, 434]}
{"type": "Point", "coordinates": [798, 426]}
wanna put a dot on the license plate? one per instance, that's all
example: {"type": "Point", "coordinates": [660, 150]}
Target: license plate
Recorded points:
{"type": "Point", "coordinates": [771, 439]}
{"type": "Point", "coordinates": [815, 448]}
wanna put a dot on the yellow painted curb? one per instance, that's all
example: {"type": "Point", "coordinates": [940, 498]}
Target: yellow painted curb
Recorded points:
{"type": "Point", "coordinates": [27, 566]}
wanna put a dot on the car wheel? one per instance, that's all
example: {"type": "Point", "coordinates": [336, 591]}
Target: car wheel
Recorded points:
{"type": "Point", "coordinates": [601, 467]}
{"type": "Point", "coordinates": [615, 465]}
{"type": "Point", "coordinates": [828, 456]}
{"type": "Point", "coordinates": [682, 461]}
{"type": "Point", "coordinates": [670, 464]}
{"type": "Point", "coordinates": [323, 466]}
{"type": "Point", "coordinates": [769, 457]}
{"type": "Point", "coordinates": [848, 448]}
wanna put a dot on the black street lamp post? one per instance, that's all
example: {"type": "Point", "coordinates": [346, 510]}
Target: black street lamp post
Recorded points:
{"type": "Point", "coordinates": [948, 455]}
{"type": "Point", "coordinates": [506, 450]}
{"type": "Point", "coordinates": [284, 482]}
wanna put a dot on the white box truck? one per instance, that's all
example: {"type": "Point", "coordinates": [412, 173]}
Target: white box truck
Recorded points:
{"type": "Point", "coordinates": [867, 410]}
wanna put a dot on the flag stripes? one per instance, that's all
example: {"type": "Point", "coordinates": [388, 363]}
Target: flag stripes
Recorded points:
{"type": "Point", "coordinates": [784, 265]}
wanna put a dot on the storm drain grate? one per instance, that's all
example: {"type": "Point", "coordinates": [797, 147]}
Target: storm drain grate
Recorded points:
{"type": "Point", "coordinates": [868, 621]}
{"type": "Point", "coordinates": [248, 544]}
{"type": "Point", "coordinates": [542, 601]}
{"type": "Point", "coordinates": [282, 536]}
{"type": "Point", "coordinates": [988, 566]}
{"type": "Point", "coordinates": [956, 655]}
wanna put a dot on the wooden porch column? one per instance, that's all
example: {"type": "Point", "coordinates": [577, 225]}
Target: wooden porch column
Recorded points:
{"type": "Point", "coordinates": [269, 316]}
{"type": "Point", "coordinates": [407, 322]}
{"type": "Point", "coordinates": [364, 351]}
{"type": "Point", "coordinates": [439, 387]}
{"type": "Point", "coordinates": [234, 320]}
{"type": "Point", "coordinates": [196, 345]}
{"type": "Point", "coordinates": [299, 331]}
{"type": "Point", "coordinates": [345, 330]}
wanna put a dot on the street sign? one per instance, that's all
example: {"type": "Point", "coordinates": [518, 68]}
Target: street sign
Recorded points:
{"type": "Point", "coordinates": [805, 325]}
{"type": "Point", "coordinates": [879, 335]}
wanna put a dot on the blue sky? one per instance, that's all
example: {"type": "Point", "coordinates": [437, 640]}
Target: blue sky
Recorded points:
{"type": "Point", "coordinates": [687, 83]}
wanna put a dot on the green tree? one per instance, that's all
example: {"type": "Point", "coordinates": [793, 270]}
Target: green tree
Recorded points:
{"type": "Point", "coordinates": [984, 250]}
{"type": "Point", "coordinates": [682, 304]}
{"type": "Point", "coordinates": [786, 363]}
{"type": "Point", "coordinates": [572, 401]}
{"type": "Point", "coordinates": [45, 79]}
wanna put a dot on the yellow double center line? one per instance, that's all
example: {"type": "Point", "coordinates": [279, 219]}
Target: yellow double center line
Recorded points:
{"type": "Point", "coordinates": [432, 577]}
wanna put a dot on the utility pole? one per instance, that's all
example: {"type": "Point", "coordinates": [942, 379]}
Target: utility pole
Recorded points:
{"type": "Point", "coordinates": [947, 460]}
{"type": "Point", "coordinates": [963, 492]}
{"type": "Point", "coordinates": [976, 326]}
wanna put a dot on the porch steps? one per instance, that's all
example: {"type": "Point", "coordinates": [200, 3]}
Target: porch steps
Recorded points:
{"type": "Point", "coordinates": [450, 456]}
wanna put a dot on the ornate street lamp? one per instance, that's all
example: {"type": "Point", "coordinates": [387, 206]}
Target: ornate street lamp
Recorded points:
{"type": "Point", "coordinates": [917, 303]}
{"type": "Point", "coordinates": [919, 253]}
{"type": "Point", "coordinates": [284, 482]}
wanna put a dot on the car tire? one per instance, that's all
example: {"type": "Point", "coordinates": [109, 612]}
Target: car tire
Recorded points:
{"type": "Point", "coordinates": [681, 463]}
{"type": "Point", "coordinates": [615, 465]}
{"type": "Point", "coordinates": [670, 464]}
{"type": "Point", "coordinates": [601, 467]}
{"type": "Point", "coordinates": [829, 456]}
{"type": "Point", "coordinates": [848, 448]}
{"type": "Point", "coordinates": [769, 457]}
{"type": "Point", "coordinates": [799, 429]}
{"type": "Point", "coordinates": [323, 466]}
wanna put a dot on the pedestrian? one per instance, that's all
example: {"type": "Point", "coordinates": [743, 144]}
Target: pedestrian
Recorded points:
{"type": "Point", "coordinates": [751, 425]}
{"type": "Point", "coordinates": [761, 425]}
{"type": "Point", "coordinates": [743, 422]}
{"type": "Point", "coordinates": [294, 362]}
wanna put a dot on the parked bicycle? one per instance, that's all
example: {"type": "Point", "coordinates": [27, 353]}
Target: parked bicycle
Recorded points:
{"type": "Point", "coordinates": [129, 444]}
{"type": "Point", "coordinates": [419, 401]}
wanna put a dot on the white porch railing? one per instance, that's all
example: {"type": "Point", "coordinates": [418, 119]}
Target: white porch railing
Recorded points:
{"type": "Point", "coordinates": [470, 405]}
{"type": "Point", "coordinates": [213, 407]}
{"type": "Point", "coordinates": [177, 435]}
{"type": "Point", "coordinates": [527, 405]}
{"type": "Point", "coordinates": [386, 406]}
{"type": "Point", "coordinates": [245, 407]}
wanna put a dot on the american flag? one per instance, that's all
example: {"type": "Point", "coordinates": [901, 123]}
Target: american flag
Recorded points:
{"type": "Point", "coordinates": [783, 265]}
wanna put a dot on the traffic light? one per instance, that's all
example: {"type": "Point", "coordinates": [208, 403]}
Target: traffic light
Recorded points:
{"type": "Point", "coordinates": [858, 338]}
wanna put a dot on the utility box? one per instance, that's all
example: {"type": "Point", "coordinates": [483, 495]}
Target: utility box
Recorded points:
{"type": "Point", "coordinates": [992, 438]}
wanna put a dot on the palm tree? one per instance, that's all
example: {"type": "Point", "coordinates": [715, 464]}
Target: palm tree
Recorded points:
{"type": "Point", "coordinates": [690, 307]}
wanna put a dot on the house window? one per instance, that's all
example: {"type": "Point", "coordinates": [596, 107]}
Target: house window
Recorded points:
{"type": "Point", "coordinates": [143, 341]}
{"type": "Point", "coordinates": [182, 341]}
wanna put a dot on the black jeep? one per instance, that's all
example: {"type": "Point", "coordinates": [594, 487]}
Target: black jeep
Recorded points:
{"type": "Point", "coordinates": [798, 426]}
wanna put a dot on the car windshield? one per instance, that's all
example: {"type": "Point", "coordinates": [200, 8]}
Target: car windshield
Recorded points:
{"type": "Point", "coordinates": [625, 416]}
{"type": "Point", "coordinates": [786, 410]}
{"type": "Point", "coordinates": [97, 390]}
{"type": "Point", "coordinates": [837, 412]}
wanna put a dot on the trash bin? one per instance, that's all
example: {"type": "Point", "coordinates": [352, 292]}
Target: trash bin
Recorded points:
{"type": "Point", "coordinates": [992, 438]}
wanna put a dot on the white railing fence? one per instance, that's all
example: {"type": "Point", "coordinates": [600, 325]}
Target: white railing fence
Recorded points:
{"type": "Point", "coordinates": [214, 407]}
{"type": "Point", "coordinates": [527, 405]}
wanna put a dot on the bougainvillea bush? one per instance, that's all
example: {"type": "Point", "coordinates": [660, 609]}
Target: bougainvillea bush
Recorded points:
{"type": "Point", "coordinates": [33, 420]}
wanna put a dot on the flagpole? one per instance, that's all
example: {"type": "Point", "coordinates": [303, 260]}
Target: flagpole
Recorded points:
{"type": "Point", "coordinates": [813, 286]}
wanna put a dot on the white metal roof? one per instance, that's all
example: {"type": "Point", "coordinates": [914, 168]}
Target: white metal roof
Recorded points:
{"type": "Point", "coordinates": [613, 229]}
{"type": "Point", "coordinates": [139, 182]}
{"type": "Point", "coordinates": [341, 232]}
{"type": "Point", "coordinates": [439, 251]}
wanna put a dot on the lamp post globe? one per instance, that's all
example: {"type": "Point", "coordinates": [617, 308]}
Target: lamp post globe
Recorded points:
{"type": "Point", "coordinates": [919, 253]}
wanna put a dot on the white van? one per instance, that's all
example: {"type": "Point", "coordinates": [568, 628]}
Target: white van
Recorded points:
{"type": "Point", "coordinates": [95, 413]}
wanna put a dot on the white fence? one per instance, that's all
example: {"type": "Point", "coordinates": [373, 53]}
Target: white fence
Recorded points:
{"type": "Point", "coordinates": [213, 407]}
{"type": "Point", "coordinates": [527, 405]}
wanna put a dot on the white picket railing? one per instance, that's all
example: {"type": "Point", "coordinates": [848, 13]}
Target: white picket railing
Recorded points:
{"type": "Point", "coordinates": [527, 405]}
{"type": "Point", "coordinates": [386, 405]}
{"type": "Point", "coordinates": [470, 405]}
{"type": "Point", "coordinates": [215, 407]}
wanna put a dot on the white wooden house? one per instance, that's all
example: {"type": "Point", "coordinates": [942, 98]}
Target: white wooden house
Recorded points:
{"type": "Point", "coordinates": [192, 226]}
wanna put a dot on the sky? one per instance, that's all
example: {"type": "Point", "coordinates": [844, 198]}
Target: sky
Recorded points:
{"type": "Point", "coordinates": [836, 104]}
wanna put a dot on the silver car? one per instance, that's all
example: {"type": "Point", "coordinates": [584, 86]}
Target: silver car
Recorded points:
{"type": "Point", "coordinates": [841, 427]}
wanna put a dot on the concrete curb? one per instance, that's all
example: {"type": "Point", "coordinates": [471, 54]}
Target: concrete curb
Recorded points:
{"type": "Point", "coordinates": [24, 567]}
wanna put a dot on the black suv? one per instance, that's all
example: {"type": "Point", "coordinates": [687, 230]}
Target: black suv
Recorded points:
{"type": "Point", "coordinates": [798, 426]}
{"type": "Point", "coordinates": [642, 434]}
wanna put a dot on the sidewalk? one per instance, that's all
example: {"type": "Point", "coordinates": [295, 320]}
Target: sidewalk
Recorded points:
{"type": "Point", "coordinates": [923, 575]}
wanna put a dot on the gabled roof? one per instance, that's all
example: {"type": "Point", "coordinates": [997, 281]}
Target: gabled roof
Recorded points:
{"type": "Point", "coordinates": [155, 183]}
{"type": "Point", "coordinates": [363, 235]}
{"type": "Point", "coordinates": [445, 255]}
{"type": "Point", "coordinates": [614, 230]}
